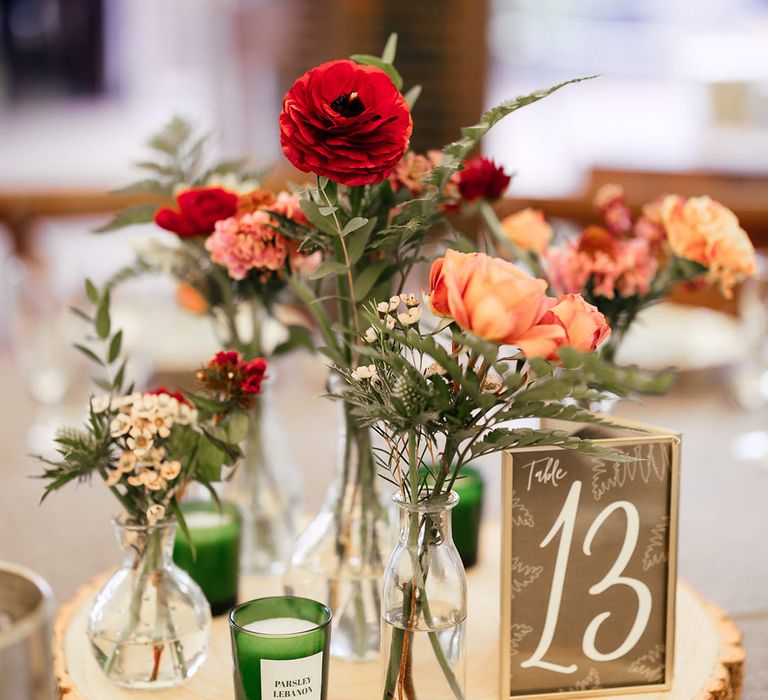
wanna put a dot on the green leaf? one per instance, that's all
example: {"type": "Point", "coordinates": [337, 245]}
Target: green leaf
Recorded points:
{"type": "Point", "coordinates": [390, 49]}
{"type": "Point", "coordinates": [357, 241]}
{"type": "Point", "coordinates": [148, 186]}
{"type": "Point", "coordinates": [366, 280]}
{"type": "Point", "coordinates": [114, 347]}
{"type": "Point", "coordinates": [237, 426]}
{"type": "Point", "coordinates": [231, 450]}
{"type": "Point", "coordinates": [103, 384]}
{"type": "Point", "coordinates": [353, 224]}
{"type": "Point", "coordinates": [179, 514]}
{"type": "Point", "coordinates": [322, 182]}
{"type": "Point", "coordinates": [327, 211]}
{"type": "Point", "coordinates": [305, 294]}
{"type": "Point", "coordinates": [376, 62]}
{"type": "Point", "coordinates": [413, 95]}
{"type": "Point", "coordinates": [139, 214]}
{"type": "Point", "coordinates": [210, 459]}
{"type": "Point", "coordinates": [312, 210]}
{"type": "Point", "coordinates": [90, 354]}
{"type": "Point", "coordinates": [206, 403]}
{"type": "Point", "coordinates": [328, 267]}
{"type": "Point", "coordinates": [91, 291]}
{"type": "Point", "coordinates": [102, 317]}
{"type": "Point", "coordinates": [120, 376]}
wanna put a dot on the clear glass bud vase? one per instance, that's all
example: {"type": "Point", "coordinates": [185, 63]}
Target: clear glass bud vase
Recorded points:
{"type": "Point", "coordinates": [265, 486]}
{"type": "Point", "coordinates": [339, 558]}
{"type": "Point", "coordinates": [150, 624]}
{"type": "Point", "coordinates": [424, 606]}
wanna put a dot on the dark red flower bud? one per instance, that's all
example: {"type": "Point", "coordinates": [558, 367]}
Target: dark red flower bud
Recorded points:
{"type": "Point", "coordinates": [481, 178]}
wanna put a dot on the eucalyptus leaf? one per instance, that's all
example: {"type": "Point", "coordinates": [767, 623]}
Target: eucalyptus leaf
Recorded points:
{"type": "Point", "coordinates": [366, 280]}
{"type": "Point", "coordinates": [353, 224]}
{"type": "Point", "coordinates": [312, 210]}
{"type": "Point", "coordinates": [328, 267]}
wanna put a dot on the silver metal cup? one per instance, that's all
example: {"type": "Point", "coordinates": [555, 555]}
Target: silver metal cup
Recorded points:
{"type": "Point", "coordinates": [26, 609]}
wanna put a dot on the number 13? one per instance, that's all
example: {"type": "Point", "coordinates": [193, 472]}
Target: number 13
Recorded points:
{"type": "Point", "coordinates": [566, 522]}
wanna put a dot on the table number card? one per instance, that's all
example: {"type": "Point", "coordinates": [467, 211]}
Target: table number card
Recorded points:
{"type": "Point", "coordinates": [589, 566]}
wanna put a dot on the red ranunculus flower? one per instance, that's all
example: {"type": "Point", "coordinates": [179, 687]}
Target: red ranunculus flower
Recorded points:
{"type": "Point", "coordinates": [481, 178]}
{"type": "Point", "coordinates": [198, 211]}
{"type": "Point", "coordinates": [345, 121]}
{"type": "Point", "coordinates": [179, 396]}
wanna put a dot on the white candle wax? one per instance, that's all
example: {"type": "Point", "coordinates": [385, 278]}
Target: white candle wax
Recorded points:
{"type": "Point", "coordinates": [204, 519]}
{"type": "Point", "coordinates": [280, 625]}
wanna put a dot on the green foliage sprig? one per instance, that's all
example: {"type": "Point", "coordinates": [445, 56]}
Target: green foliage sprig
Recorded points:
{"type": "Point", "coordinates": [146, 447]}
{"type": "Point", "coordinates": [454, 396]}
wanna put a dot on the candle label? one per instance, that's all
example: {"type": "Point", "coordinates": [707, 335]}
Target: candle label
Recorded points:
{"type": "Point", "coordinates": [294, 678]}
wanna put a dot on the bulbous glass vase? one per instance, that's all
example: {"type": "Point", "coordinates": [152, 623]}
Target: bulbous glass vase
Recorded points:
{"type": "Point", "coordinates": [150, 624]}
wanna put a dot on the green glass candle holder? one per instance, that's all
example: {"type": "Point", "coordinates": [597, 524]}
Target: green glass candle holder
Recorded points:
{"type": "Point", "coordinates": [280, 648]}
{"type": "Point", "coordinates": [215, 563]}
{"type": "Point", "coordinates": [468, 514]}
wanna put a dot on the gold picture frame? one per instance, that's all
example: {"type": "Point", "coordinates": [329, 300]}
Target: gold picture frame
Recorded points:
{"type": "Point", "coordinates": [638, 434]}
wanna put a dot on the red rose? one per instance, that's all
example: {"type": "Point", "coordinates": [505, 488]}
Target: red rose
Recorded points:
{"type": "Point", "coordinates": [345, 121]}
{"type": "Point", "coordinates": [198, 211]}
{"type": "Point", "coordinates": [481, 178]}
{"type": "Point", "coordinates": [173, 394]}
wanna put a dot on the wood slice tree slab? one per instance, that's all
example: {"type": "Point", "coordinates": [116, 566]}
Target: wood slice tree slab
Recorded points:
{"type": "Point", "coordinates": [709, 659]}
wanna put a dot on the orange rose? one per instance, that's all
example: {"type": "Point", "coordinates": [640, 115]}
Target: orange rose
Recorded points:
{"type": "Point", "coordinates": [495, 300]}
{"type": "Point", "coordinates": [190, 299]}
{"type": "Point", "coordinates": [705, 231]}
{"type": "Point", "coordinates": [528, 230]}
{"type": "Point", "coordinates": [585, 327]}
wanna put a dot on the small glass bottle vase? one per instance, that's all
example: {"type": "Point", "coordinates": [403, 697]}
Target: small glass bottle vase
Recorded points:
{"type": "Point", "coordinates": [265, 487]}
{"type": "Point", "coordinates": [339, 558]}
{"type": "Point", "coordinates": [424, 606]}
{"type": "Point", "coordinates": [150, 624]}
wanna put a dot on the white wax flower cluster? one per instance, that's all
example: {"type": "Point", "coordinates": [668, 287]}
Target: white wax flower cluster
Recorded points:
{"type": "Point", "coordinates": [142, 421]}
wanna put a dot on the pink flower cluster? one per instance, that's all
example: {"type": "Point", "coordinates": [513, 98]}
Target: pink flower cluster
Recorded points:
{"type": "Point", "coordinates": [619, 257]}
{"type": "Point", "coordinates": [627, 269]}
{"type": "Point", "coordinates": [249, 241]}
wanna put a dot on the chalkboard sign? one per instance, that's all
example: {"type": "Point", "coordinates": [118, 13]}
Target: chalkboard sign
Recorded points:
{"type": "Point", "coordinates": [589, 566]}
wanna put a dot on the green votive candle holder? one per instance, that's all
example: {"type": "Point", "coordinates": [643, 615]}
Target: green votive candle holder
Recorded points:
{"type": "Point", "coordinates": [215, 563]}
{"type": "Point", "coordinates": [468, 514]}
{"type": "Point", "coordinates": [280, 648]}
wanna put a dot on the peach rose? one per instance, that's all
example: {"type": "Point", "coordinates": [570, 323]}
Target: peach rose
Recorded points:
{"type": "Point", "coordinates": [528, 230]}
{"type": "Point", "coordinates": [495, 300]}
{"type": "Point", "coordinates": [585, 327]}
{"type": "Point", "coordinates": [705, 231]}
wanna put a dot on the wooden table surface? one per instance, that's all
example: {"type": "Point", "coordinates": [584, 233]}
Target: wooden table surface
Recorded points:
{"type": "Point", "coordinates": [708, 659]}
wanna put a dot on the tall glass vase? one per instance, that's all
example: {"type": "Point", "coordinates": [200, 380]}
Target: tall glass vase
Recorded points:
{"type": "Point", "coordinates": [265, 488]}
{"type": "Point", "coordinates": [339, 558]}
{"type": "Point", "coordinates": [150, 624]}
{"type": "Point", "coordinates": [424, 606]}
